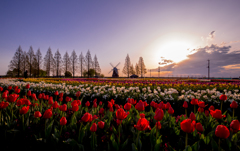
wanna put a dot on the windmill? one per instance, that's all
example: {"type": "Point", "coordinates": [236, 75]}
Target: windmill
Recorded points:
{"type": "Point", "coordinates": [115, 71]}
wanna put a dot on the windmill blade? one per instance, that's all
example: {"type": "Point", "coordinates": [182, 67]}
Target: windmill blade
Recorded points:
{"type": "Point", "coordinates": [117, 64]}
{"type": "Point", "coordinates": [111, 65]}
{"type": "Point", "coordinates": [110, 71]}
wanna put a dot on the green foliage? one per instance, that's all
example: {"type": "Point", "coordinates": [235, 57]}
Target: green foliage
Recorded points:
{"type": "Point", "coordinates": [68, 74]}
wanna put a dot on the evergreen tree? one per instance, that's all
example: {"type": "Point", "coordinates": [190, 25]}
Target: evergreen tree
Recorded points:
{"type": "Point", "coordinates": [73, 60]}
{"type": "Point", "coordinates": [126, 68]}
{"type": "Point", "coordinates": [48, 61]}
{"type": "Point", "coordinates": [16, 62]}
{"type": "Point", "coordinates": [81, 63]}
{"type": "Point", "coordinates": [96, 66]}
{"type": "Point", "coordinates": [142, 67]}
{"type": "Point", "coordinates": [58, 62]}
{"type": "Point", "coordinates": [88, 62]}
{"type": "Point", "coordinates": [30, 56]}
{"type": "Point", "coordinates": [39, 61]}
{"type": "Point", "coordinates": [66, 63]}
{"type": "Point", "coordinates": [137, 70]}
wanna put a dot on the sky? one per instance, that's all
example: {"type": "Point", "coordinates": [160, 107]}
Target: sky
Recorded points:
{"type": "Point", "coordinates": [186, 34]}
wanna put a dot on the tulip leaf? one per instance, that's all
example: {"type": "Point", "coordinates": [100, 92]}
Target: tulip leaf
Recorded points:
{"type": "Point", "coordinates": [134, 148]}
{"type": "Point", "coordinates": [114, 142]}
{"type": "Point", "coordinates": [206, 140]}
{"type": "Point", "coordinates": [177, 131]}
{"type": "Point", "coordinates": [55, 138]}
{"type": "Point", "coordinates": [188, 148]}
{"type": "Point", "coordinates": [114, 130]}
{"type": "Point", "coordinates": [214, 145]}
{"type": "Point", "coordinates": [196, 146]}
{"type": "Point", "coordinates": [124, 144]}
{"type": "Point", "coordinates": [158, 143]}
{"type": "Point", "coordinates": [229, 118]}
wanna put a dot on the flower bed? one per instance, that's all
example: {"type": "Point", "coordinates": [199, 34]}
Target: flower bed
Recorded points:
{"type": "Point", "coordinates": [46, 115]}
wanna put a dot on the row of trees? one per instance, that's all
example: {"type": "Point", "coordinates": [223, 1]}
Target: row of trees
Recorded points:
{"type": "Point", "coordinates": [139, 68]}
{"type": "Point", "coordinates": [53, 65]}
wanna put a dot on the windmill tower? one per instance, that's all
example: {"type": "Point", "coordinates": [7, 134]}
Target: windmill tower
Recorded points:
{"type": "Point", "coordinates": [115, 71]}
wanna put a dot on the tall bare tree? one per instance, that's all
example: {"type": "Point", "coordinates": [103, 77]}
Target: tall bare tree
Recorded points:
{"type": "Point", "coordinates": [16, 62]}
{"type": "Point", "coordinates": [142, 67]}
{"type": "Point", "coordinates": [81, 63]}
{"type": "Point", "coordinates": [74, 62]}
{"type": "Point", "coordinates": [96, 66]}
{"type": "Point", "coordinates": [126, 68]}
{"type": "Point", "coordinates": [48, 61]}
{"type": "Point", "coordinates": [137, 70]}
{"type": "Point", "coordinates": [30, 56]}
{"type": "Point", "coordinates": [66, 62]}
{"type": "Point", "coordinates": [39, 61]}
{"type": "Point", "coordinates": [132, 70]}
{"type": "Point", "coordinates": [88, 62]}
{"type": "Point", "coordinates": [58, 62]}
{"type": "Point", "coordinates": [24, 62]}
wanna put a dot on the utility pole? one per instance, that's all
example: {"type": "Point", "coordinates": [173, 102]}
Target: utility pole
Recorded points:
{"type": "Point", "coordinates": [208, 68]}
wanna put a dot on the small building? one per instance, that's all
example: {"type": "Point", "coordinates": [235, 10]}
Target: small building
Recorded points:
{"type": "Point", "coordinates": [133, 76]}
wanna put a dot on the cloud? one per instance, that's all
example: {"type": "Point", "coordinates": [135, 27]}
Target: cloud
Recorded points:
{"type": "Point", "coordinates": [211, 36]}
{"type": "Point", "coordinates": [222, 62]}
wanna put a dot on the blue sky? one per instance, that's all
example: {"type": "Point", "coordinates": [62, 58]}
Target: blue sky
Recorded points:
{"type": "Point", "coordinates": [113, 29]}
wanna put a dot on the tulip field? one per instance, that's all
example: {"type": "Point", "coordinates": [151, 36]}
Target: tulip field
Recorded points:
{"type": "Point", "coordinates": [119, 114]}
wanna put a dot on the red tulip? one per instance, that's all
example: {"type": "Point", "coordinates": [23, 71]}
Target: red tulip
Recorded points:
{"type": "Point", "coordinates": [15, 87]}
{"type": "Point", "coordinates": [152, 104]}
{"type": "Point", "coordinates": [63, 121]}
{"type": "Point", "coordinates": [87, 117]}
{"type": "Point", "coordinates": [35, 104]}
{"type": "Point", "coordinates": [12, 97]}
{"type": "Point", "coordinates": [206, 113]}
{"type": "Point", "coordinates": [223, 97]}
{"type": "Point", "coordinates": [158, 114]}
{"type": "Point", "coordinates": [127, 106]}
{"type": "Point", "coordinates": [9, 87]}
{"type": "Point", "coordinates": [234, 105]}
{"type": "Point", "coordinates": [199, 127]}
{"type": "Point", "coordinates": [112, 101]}
{"type": "Point", "coordinates": [27, 86]}
{"type": "Point", "coordinates": [110, 105]}
{"type": "Point", "coordinates": [235, 126]}
{"type": "Point", "coordinates": [201, 104]}
{"type": "Point", "coordinates": [87, 104]}
{"type": "Point", "coordinates": [56, 93]}
{"type": "Point", "coordinates": [26, 102]}
{"type": "Point", "coordinates": [37, 114]}
{"type": "Point", "coordinates": [94, 117]}
{"type": "Point", "coordinates": [29, 93]}
{"type": "Point", "coordinates": [4, 95]}
{"type": "Point", "coordinates": [75, 108]}
{"type": "Point", "coordinates": [211, 108]}
{"type": "Point", "coordinates": [40, 96]}
{"type": "Point", "coordinates": [111, 109]}
{"type": "Point", "coordinates": [68, 99]}
{"type": "Point", "coordinates": [1, 89]}
{"type": "Point", "coordinates": [222, 131]}
{"type": "Point", "coordinates": [200, 110]}
{"type": "Point", "coordinates": [60, 99]}
{"type": "Point", "coordinates": [17, 90]}
{"type": "Point", "coordinates": [142, 124]}
{"type": "Point", "coordinates": [158, 125]}
{"type": "Point", "coordinates": [101, 111]}
{"type": "Point", "coordinates": [121, 114]}
{"type": "Point", "coordinates": [93, 128]}
{"type": "Point", "coordinates": [3, 105]}
{"type": "Point", "coordinates": [61, 95]}
{"type": "Point", "coordinates": [24, 110]}
{"type": "Point", "coordinates": [63, 108]}
{"type": "Point", "coordinates": [78, 94]}
{"type": "Point", "coordinates": [101, 124]}
{"type": "Point", "coordinates": [47, 114]}
{"type": "Point", "coordinates": [217, 114]}
{"type": "Point", "coordinates": [170, 110]}
{"type": "Point", "coordinates": [95, 105]}
{"type": "Point", "coordinates": [100, 103]}
{"type": "Point", "coordinates": [117, 106]}
{"type": "Point", "coordinates": [140, 106]}
{"type": "Point", "coordinates": [167, 105]}
{"type": "Point", "coordinates": [50, 100]}
{"type": "Point", "coordinates": [185, 105]}
{"type": "Point", "coordinates": [55, 105]}
{"type": "Point", "coordinates": [192, 116]}
{"type": "Point", "coordinates": [46, 97]}
{"type": "Point", "coordinates": [194, 101]}
{"type": "Point", "coordinates": [187, 126]}
{"type": "Point", "coordinates": [78, 102]}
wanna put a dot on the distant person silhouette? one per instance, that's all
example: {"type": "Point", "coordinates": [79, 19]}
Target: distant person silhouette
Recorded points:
{"type": "Point", "coordinates": [26, 74]}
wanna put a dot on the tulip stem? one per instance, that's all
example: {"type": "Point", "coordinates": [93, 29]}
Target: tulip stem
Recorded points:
{"type": "Point", "coordinates": [194, 109]}
{"type": "Point", "coordinates": [137, 138]}
{"type": "Point", "coordinates": [186, 140]}
{"type": "Point", "coordinates": [60, 131]}
{"type": "Point", "coordinates": [79, 133]}
{"type": "Point", "coordinates": [219, 142]}
{"type": "Point", "coordinates": [186, 112]}
{"type": "Point", "coordinates": [221, 105]}
{"type": "Point", "coordinates": [233, 112]}
{"type": "Point", "coordinates": [23, 122]}
{"type": "Point", "coordinates": [119, 128]}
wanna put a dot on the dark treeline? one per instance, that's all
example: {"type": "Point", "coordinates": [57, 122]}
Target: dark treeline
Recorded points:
{"type": "Point", "coordinates": [50, 65]}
